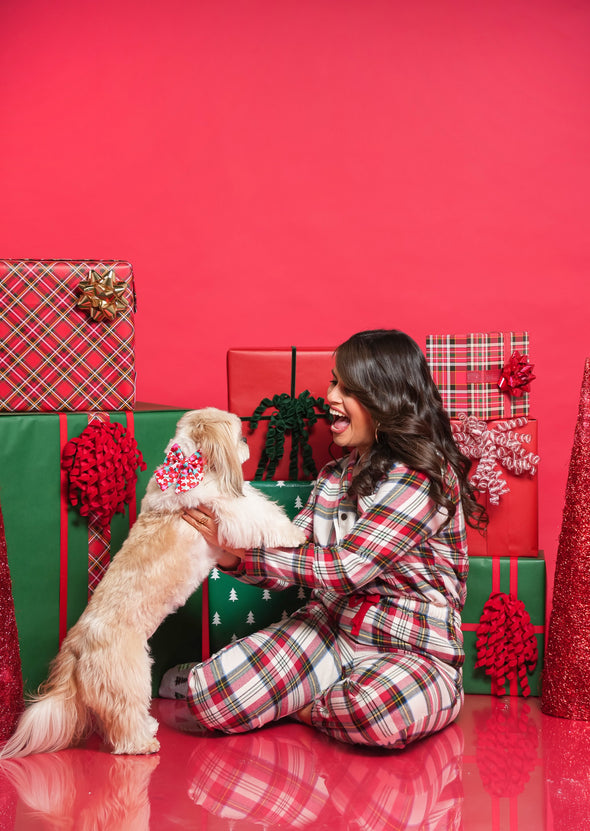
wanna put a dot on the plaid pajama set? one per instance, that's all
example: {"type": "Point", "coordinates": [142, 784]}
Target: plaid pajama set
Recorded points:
{"type": "Point", "coordinates": [378, 648]}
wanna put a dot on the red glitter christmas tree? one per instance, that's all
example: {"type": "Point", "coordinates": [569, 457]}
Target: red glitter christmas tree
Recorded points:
{"type": "Point", "coordinates": [566, 677]}
{"type": "Point", "coordinates": [11, 685]}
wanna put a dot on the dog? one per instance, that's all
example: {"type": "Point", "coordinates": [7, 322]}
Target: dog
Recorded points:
{"type": "Point", "coordinates": [101, 677]}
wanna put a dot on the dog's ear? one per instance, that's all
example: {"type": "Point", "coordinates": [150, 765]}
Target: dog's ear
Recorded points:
{"type": "Point", "coordinates": [219, 446]}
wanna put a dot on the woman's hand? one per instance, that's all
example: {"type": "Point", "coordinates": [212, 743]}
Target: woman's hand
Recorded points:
{"type": "Point", "coordinates": [205, 522]}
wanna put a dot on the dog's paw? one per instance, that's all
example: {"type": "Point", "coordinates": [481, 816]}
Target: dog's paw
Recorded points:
{"type": "Point", "coordinates": [139, 749]}
{"type": "Point", "coordinates": [288, 537]}
{"type": "Point", "coordinates": [152, 747]}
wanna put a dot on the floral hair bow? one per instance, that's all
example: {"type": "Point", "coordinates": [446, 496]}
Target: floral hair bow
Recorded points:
{"type": "Point", "coordinates": [184, 471]}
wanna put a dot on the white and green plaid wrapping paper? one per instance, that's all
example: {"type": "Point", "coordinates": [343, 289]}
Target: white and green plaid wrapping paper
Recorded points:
{"type": "Point", "coordinates": [466, 369]}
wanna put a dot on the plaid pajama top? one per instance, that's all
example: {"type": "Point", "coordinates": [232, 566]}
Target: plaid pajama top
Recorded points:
{"type": "Point", "coordinates": [383, 566]}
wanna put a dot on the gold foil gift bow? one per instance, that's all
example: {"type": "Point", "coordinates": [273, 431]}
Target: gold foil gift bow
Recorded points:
{"type": "Point", "coordinates": [102, 295]}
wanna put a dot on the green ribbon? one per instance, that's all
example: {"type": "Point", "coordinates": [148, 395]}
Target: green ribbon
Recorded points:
{"type": "Point", "coordinates": [291, 416]}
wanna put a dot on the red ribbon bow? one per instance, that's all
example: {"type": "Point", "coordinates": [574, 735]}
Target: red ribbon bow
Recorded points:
{"type": "Point", "coordinates": [100, 465]}
{"type": "Point", "coordinates": [185, 471]}
{"type": "Point", "coordinates": [516, 376]}
{"type": "Point", "coordinates": [365, 601]}
{"type": "Point", "coordinates": [506, 645]}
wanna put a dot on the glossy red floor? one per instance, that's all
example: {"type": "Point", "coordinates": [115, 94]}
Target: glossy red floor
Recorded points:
{"type": "Point", "coordinates": [502, 766]}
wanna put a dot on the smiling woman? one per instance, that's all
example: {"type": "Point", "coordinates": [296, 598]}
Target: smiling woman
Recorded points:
{"type": "Point", "coordinates": [375, 656]}
{"type": "Point", "coordinates": [352, 424]}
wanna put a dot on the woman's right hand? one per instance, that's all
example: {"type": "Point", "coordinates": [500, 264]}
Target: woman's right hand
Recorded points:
{"type": "Point", "coordinates": [205, 523]}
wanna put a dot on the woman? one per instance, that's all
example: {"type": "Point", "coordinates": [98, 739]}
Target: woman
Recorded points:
{"type": "Point", "coordinates": [375, 657]}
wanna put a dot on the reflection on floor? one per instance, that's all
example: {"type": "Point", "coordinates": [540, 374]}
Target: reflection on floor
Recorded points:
{"type": "Point", "coordinates": [502, 766]}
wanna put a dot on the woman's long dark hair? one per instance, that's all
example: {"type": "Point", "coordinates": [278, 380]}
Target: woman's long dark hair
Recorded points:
{"type": "Point", "coordinates": [386, 371]}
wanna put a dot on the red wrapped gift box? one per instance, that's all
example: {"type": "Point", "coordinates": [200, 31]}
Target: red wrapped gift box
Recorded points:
{"type": "Point", "coordinates": [467, 370]}
{"type": "Point", "coordinates": [513, 528]}
{"type": "Point", "coordinates": [255, 374]}
{"type": "Point", "coordinates": [67, 334]}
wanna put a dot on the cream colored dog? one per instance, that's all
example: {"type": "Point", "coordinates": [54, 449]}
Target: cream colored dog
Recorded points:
{"type": "Point", "coordinates": [101, 676]}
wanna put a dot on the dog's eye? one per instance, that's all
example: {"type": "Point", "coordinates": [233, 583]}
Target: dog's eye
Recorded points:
{"type": "Point", "coordinates": [244, 439]}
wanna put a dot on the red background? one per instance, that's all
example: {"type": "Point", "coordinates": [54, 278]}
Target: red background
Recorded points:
{"type": "Point", "coordinates": [291, 171]}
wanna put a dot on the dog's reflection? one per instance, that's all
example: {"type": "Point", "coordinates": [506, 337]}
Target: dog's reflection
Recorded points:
{"type": "Point", "coordinates": [280, 777]}
{"type": "Point", "coordinates": [83, 790]}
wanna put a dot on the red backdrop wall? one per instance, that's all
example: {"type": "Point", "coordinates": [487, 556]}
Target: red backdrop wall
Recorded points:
{"type": "Point", "coordinates": [290, 171]}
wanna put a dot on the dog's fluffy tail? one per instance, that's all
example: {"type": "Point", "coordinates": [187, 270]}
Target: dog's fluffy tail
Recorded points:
{"type": "Point", "coordinates": [55, 719]}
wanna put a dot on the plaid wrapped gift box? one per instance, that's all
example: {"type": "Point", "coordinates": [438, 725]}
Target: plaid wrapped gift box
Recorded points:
{"type": "Point", "coordinates": [232, 609]}
{"type": "Point", "coordinates": [256, 374]}
{"type": "Point", "coordinates": [56, 355]}
{"type": "Point", "coordinates": [467, 369]}
{"type": "Point", "coordinates": [48, 540]}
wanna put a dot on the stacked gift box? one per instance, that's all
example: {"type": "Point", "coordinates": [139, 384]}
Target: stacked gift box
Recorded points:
{"type": "Point", "coordinates": [491, 424]}
{"type": "Point", "coordinates": [484, 381]}
{"type": "Point", "coordinates": [68, 361]}
{"type": "Point", "coordinates": [67, 375]}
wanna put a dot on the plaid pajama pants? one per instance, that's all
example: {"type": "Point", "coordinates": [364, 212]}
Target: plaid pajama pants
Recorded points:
{"type": "Point", "coordinates": [275, 780]}
{"type": "Point", "coordinates": [359, 695]}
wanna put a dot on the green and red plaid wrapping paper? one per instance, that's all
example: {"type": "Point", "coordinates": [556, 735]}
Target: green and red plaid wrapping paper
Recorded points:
{"type": "Point", "coordinates": [467, 367]}
{"type": "Point", "coordinates": [54, 356]}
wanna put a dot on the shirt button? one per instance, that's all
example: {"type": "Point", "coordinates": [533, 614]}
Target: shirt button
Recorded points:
{"type": "Point", "coordinates": [343, 517]}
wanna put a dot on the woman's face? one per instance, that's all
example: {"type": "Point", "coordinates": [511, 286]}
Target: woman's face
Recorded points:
{"type": "Point", "coordinates": [352, 426]}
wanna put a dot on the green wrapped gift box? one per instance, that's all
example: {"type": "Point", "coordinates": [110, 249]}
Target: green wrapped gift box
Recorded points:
{"type": "Point", "coordinates": [524, 578]}
{"type": "Point", "coordinates": [47, 540]}
{"type": "Point", "coordinates": [236, 609]}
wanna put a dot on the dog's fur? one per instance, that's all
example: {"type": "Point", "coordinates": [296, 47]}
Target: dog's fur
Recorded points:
{"type": "Point", "coordinates": [101, 676]}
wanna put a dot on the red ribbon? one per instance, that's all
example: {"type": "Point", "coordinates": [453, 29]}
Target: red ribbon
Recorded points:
{"type": "Point", "coordinates": [186, 472]}
{"type": "Point", "coordinates": [101, 468]}
{"type": "Point", "coordinates": [506, 645]}
{"type": "Point", "coordinates": [365, 601]}
{"type": "Point", "coordinates": [495, 444]}
{"type": "Point", "coordinates": [516, 376]}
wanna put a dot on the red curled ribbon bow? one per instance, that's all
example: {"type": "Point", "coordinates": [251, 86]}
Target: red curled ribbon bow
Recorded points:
{"type": "Point", "coordinates": [185, 471]}
{"type": "Point", "coordinates": [516, 376]}
{"type": "Point", "coordinates": [100, 465]}
{"type": "Point", "coordinates": [506, 645]}
{"type": "Point", "coordinates": [494, 445]}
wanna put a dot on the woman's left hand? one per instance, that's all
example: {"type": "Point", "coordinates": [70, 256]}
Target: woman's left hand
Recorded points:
{"type": "Point", "coordinates": [205, 523]}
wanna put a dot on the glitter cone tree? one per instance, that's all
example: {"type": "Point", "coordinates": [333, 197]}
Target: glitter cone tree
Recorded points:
{"type": "Point", "coordinates": [11, 688]}
{"type": "Point", "coordinates": [566, 676]}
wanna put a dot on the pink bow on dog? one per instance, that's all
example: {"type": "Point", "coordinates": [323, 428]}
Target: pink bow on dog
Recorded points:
{"type": "Point", "coordinates": [186, 472]}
